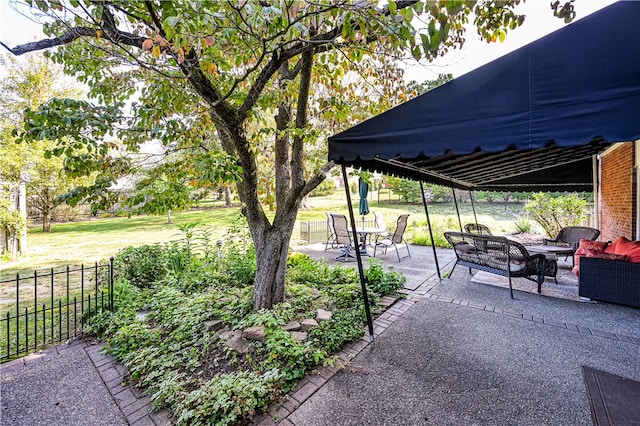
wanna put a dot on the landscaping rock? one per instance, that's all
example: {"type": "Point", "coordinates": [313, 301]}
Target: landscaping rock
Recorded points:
{"type": "Point", "coordinates": [308, 324]}
{"type": "Point", "coordinates": [238, 344]}
{"type": "Point", "coordinates": [300, 336]}
{"type": "Point", "coordinates": [323, 315]}
{"type": "Point", "coordinates": [213, 325]}
{"type": "Point", "coordinates": [224, 334]}
{"type": "Point", "coordinates": [254, 333]}
{"type": "Point", "coordinates": [292, 326]}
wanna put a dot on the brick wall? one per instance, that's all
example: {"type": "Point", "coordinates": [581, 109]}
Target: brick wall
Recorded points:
{"type": "Point", "coordinates": [617, 192]}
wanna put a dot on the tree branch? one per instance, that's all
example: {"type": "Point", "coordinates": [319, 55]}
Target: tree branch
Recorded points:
{"type": "Point", "coordinates": [317, 179]}
{"type": "Point", "coordinates": [68, 37]}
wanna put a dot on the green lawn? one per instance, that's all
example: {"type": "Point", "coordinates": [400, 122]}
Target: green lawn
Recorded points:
{"type": "Point", "coordinates": [89, 241]}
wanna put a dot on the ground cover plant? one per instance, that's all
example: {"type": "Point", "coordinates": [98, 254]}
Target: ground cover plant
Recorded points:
{"type": "Point", "coordinates": [166, 294]}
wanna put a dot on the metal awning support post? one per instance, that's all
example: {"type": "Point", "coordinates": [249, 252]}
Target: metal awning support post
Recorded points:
{"type": "Point", "coordinates": [365, 297]}
{"type": "Point", "coordinates": [455, 201]}
{"type": "Point", "coordinates": [473, 207]}
{"type": "Point", "coordinates": [433, 244]}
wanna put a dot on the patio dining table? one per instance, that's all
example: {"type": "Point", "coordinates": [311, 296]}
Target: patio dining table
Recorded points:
{"type": "Point", "coordinates": [365, 233]}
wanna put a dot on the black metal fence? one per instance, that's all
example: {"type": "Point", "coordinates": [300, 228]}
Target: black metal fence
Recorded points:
{"type": "Point", "coordinates": [45, 309]}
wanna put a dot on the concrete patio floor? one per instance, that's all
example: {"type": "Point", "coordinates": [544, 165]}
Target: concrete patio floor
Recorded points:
{"type": "Point", "coordinates": [458, 352]}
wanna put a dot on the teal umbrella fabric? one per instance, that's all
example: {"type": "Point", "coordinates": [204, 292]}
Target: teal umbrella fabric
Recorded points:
{"type": "Point", "coordinates": [364, 204]}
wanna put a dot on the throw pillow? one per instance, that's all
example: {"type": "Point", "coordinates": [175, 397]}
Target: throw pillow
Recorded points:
{"type": "Point", "coordinates": [615, 245]}
{"type": "Point", "coordinates": [591, 245]}
{"type": "Point", "coordinates": [623, 245]}
{"type": "Point", "coordinates": [586, 246]}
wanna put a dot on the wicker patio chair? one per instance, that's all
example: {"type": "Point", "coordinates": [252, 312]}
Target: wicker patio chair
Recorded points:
{"type": "Point", "coordinates": [477, 228]}
{"type": "Point", "coordinates": [570, 236]}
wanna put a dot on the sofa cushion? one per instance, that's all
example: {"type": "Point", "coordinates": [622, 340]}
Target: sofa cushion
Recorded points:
{"type": "Point", "coordinates": [586, 247]}
{"type": "Point", "coordinates": [624, 246]}
{"type": "Point", "coordinates": [608, 256]}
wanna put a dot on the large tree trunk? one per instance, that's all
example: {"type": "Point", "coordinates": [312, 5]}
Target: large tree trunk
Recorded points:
{"type": "Point", "coordinates": [271, 266]}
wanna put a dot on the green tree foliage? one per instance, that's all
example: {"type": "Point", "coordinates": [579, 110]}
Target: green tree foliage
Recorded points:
{"type": "Point", "coordinates": [267, 80]}
{"type": "Point", "coordinates": [327, 187]}
{"type": "Point", "coordinates": [11, 224]}
{"type": "Point", "coordinates": [409, 190]}
{"type": "Point", "coordinates": [30, 84]}
{"type": "Point", "coordinates": [554, 212]}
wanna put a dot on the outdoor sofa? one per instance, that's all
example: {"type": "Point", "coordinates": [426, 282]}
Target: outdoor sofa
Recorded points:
{"type": "Point", "coordinates": [610, 272]}
{"type": "Point", "coordinates": [501, 256]}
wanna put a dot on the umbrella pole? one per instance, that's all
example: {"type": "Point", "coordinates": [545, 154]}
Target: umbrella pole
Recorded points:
{"type": "Point", "coordinates": [365, 297]}
{"type": "Point", "coordinates": [433, 244]}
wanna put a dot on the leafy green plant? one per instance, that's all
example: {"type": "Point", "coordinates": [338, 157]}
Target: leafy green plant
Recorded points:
{"type": "Point", "coordinates": [141, 266]}
{"type": "Point", "coordinates": [382, 282]}
{"type": "Point", "coordinates": [522, 225]}
{"type": "Point", "coordinates": [554, 212]}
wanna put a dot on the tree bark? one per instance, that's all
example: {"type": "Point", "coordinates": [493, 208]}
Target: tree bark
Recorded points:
{"type": "Point", "coordinates": [46, 222]}
{"type": "Point", "coordinates": [271, 264]}
{"type": "Point", "coordinates": [227, 196]}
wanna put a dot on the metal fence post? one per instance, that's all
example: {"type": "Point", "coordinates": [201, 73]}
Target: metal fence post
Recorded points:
{"type": "Point", "coordinates": [111, 299]}
{"type": "Point", "coordinates": [17, 313]}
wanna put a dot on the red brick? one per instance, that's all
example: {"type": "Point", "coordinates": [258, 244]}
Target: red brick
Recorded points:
{"type": "Point", "coordinates": [617, 195]}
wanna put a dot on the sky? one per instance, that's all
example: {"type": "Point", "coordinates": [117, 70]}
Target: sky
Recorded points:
{"type": "Point", "coordinates": [16, 29]}
{"type": "Point", "coordinates": [539, 22]}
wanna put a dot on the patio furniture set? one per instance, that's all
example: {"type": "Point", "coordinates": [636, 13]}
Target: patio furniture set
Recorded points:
{"type": "Point", "coordinates": [608, 272]}
{"type": "Point", "coordinates": [340, 236]}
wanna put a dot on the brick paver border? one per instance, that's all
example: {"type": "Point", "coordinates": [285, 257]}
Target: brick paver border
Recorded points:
{"type": "Point", "coordinates": [134, 405]}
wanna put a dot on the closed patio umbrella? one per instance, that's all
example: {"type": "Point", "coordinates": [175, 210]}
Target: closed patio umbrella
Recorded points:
{"type": "Point", "coordinates": [364, 204]}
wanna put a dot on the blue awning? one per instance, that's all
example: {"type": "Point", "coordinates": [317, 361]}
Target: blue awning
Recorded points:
{"type": "Point", "coordinates": [530, 120]}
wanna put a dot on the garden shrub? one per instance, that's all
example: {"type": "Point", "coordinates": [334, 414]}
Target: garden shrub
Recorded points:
{"type": "Point", "coordinates": [327, 187]}
{"type": "Point", "coordinates": [142, 266]}
{"type": "Point", "coordinates": [554, 212]}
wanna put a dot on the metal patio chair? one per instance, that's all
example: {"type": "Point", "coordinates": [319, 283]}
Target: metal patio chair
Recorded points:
{"type": "Point", "coordinates": [331, 233]}
{"type": "Point", "coordinates": [342, 235]}
{"type": "Point", "coordinates": [395, 239]}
